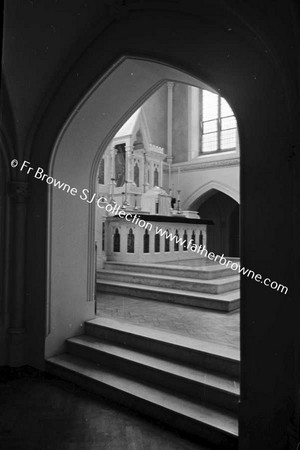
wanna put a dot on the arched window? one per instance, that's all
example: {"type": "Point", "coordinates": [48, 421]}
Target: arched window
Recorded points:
{"type": "Point", "coordinates": [157, 243]}
{"type": "Point", "coordinates": [136, 174]}
{"type": "Point", "coordinates": [116, 240]}
{"type": "Point", "coordinates": [155, 178]}
{"type": "Point", "coordinates": [101, 172]}
{"type": "Point", "coordinates": [130, 241]}
{"type": "Point", "coordinates": [146, 241]}
{"type": "Point", "coordinates": [167, 241]}
{"type": "Point", "coordinates": [176, 242]}
{"type": "Point", "coordinates": [185, 241]}
{"type": "Point", "coordinates": [200, 238]}
{"type": "Point", "coordinates": [218, 123]}
{"type": "Point", "coordinates": [193, 238]}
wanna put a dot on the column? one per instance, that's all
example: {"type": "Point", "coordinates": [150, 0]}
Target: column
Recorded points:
{"type": "Point", "coordinates": [170, 85]}
{"type": "Point", "coordinates": [19, 193]}
{"type": "Point", "coordinates": [151, 174]}
{"type": "Point", "coordinates": [193, 122]}
{"type": "Point", "coordinates": [161, 175]}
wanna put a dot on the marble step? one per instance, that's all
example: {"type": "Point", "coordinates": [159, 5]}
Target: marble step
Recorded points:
{"type": "Point", "coordinates": [205, 272]}
{"type": "Point", "coordinates": [208, 387]}
{"type": "Point", "coordinates": [212, 425]}
{"type": "Point", "coordinates": [228, 301]}
{"type": "Point", "coordinates": [216, 286]}
{"type": "Point", "coordinates": [209, 356]}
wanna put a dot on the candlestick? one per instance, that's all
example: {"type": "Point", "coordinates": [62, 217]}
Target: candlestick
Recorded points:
{"type": "Point", "coordinates": [178, 202]}
{"type": "Point", "coordinates": [125, 202]}
{"type": "Point", "coordinates": [112, 188]}
{"type": "Point", "coordinates": [135, 202]}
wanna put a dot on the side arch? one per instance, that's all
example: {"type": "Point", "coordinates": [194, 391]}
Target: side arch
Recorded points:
{"type": "Point", "coordinates": [203, 193]}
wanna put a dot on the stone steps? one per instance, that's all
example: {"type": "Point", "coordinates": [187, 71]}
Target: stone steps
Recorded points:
{"type": "Point", "coordinates": [188, 384]}
{"type": "Point", "coordinates": [209, 387]}
{"type": "Point", "coordinates": [215, 286]}
{"type": "Point", "coordinates": [205, 272]}
{"type": "Point", "coordinates": [211, 425]}
{"type": "Point", "coordinates": [208, 355]}
{"type": "Point", "coordinates": [226, 302]}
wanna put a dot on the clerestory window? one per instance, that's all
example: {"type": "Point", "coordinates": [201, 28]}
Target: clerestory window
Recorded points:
{"type": "Point", "coordinates": [218, 124]}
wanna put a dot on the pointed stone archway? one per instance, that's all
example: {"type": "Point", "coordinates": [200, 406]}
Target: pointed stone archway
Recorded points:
{"type": "Point", "coordinates": [75, 160]}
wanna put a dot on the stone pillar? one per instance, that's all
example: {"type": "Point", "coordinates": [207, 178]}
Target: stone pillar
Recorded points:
{"type": "Point", "coordinates": [151, 168]}
{"type": "Point", "coordinates": [193, 122]}
{"type": "Point", "coordinates": [19, 193]}
{"type": "Point", "coordinates": [170, 85]}
{"type": "Point", "coordinates": [160, 174]}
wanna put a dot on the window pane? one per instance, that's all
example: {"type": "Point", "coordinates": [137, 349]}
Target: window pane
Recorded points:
{"type": "Point", "coordinates": [210, 142]}
{"type": "Point", "coordinates": [210, 126]}
{"type": "Point", "coordinates": [210, 105]}
{"type": "Point", "coordinates": [228, 139]}
{"type": "Point", "coordinates": [225, 108]}
{"type": "Point", "coordinates": [229, 122]}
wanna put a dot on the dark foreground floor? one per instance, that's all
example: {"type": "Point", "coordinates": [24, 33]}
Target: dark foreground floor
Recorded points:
{"type": "Point", "coordinates": [42, 412]}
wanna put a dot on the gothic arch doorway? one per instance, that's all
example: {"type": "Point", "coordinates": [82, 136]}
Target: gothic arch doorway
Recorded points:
{"type": "Point", "coordinates": [75, 161]}
{"type": "Point", "coordinates": [261, 143]}
{"type": "Point", "coordinates": [73, 230]}
{"type": "Point", "coordinates": [223, 236]}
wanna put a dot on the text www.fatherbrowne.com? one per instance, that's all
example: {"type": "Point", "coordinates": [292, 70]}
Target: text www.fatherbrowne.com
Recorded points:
{"type": "Point", "coordinates": [102, 202]}
{"type": "Point", "coordinates": [233, 265]}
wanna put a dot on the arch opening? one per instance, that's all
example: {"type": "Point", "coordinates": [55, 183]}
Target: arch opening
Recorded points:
{"type": "Point", "coordinates": [124, 161]}
{"type": "Point", "coordinates": [75, 160]}
{"type": "Point", "coordinates": [179, 177]}
{"type": "Point", "coordinates": [223, 237]}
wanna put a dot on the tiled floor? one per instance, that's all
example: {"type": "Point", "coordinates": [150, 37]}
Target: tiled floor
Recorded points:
{"type": "Point", "coordinates": [210, 326]}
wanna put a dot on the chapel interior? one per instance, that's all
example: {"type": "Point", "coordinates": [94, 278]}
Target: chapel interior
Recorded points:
{"type": "Point", "coordinates": [183, 116]}
{"type": "Point", "coordinates": [146, 181]}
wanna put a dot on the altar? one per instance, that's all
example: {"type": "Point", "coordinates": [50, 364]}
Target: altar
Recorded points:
{"type": "Point", "coordinates": [134, 175]}
{"type": "Point", "coordinates": [170, 238]}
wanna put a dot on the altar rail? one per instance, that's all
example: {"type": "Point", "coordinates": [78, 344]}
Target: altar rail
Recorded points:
{"type": "Point", "coordinates": [130, 242]}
